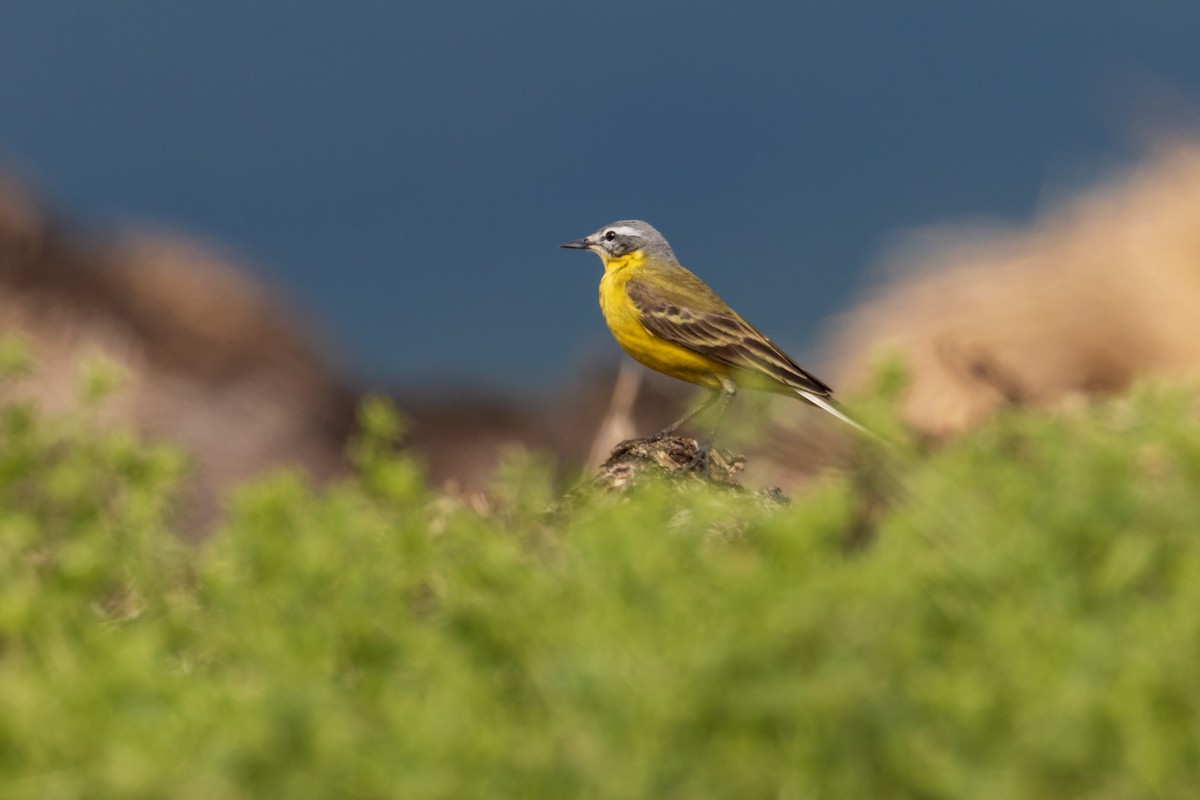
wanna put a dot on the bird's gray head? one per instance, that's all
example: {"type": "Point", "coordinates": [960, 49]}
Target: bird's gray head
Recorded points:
{"type": "Point", "coordinates": [622, 238]}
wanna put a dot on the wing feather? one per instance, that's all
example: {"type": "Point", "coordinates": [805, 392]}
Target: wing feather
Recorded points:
{"type": "Point", "coordinates": [693, 317]}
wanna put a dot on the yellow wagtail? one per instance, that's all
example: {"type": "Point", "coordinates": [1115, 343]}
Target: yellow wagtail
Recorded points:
{"type": "Point", "coordinates": [669, 320]}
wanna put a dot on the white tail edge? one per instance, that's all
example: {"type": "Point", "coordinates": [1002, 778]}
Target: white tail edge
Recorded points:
{"type": "Point", "coordinates": [827, 404]}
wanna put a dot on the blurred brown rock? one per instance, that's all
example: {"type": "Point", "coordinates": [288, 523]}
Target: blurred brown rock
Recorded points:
{"type": "Point", "coordinates": [211, 360]}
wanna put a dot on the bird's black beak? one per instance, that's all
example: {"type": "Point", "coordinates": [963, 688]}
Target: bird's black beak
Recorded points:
{"type": "Point", "coordinates": [578, 244]}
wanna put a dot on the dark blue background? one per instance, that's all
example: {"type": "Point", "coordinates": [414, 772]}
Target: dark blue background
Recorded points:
{"type": "Point", "coordinates": [405, 171]}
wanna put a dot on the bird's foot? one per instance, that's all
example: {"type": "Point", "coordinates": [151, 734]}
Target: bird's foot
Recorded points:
{"type": "Point", "coordinates": [698, 460]}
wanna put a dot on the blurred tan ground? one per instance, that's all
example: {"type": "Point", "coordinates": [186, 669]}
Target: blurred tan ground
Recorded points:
{"type": "Point", "coordinates": [1099, 289]}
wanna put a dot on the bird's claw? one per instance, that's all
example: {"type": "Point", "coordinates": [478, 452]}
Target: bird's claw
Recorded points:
{"type": "Point", "coordinates": [698, 461]}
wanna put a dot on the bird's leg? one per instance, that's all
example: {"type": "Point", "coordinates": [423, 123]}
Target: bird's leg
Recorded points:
{"type": "Point", "coordinates": [674, 426]}
{"type": "Point", "coordinates": [727, 391]}
{"type": "Point", "coordinates": [724, 394]}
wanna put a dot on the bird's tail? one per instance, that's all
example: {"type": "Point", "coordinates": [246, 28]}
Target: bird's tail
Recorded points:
{"type": "Point", "coordinates": [827, 404]}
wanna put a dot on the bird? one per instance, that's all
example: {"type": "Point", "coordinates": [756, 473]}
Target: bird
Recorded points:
{"type": "Point", "coordinates": [671, 321]}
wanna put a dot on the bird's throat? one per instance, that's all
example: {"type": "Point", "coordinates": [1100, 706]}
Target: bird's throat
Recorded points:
{"type": "Point", "coordinates": [622, 263]}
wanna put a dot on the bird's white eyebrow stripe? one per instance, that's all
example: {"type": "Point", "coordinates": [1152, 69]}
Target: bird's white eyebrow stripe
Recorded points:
{"type": "Point", "coordinates": [625, 230]}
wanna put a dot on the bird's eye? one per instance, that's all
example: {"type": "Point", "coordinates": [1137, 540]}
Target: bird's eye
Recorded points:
{"type": "Point", "coordinates": [610, 235]}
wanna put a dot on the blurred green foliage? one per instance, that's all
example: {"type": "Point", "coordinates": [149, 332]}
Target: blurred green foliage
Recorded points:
{"type": "Point", "coordinates": [1023, 624]}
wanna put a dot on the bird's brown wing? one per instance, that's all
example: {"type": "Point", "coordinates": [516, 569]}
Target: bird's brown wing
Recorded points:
{"type": "Point", "coordinates": [714, 330]}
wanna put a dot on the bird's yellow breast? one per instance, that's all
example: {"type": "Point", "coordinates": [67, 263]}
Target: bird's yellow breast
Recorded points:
{"type": "Point", "coordinates": [625, 321]}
